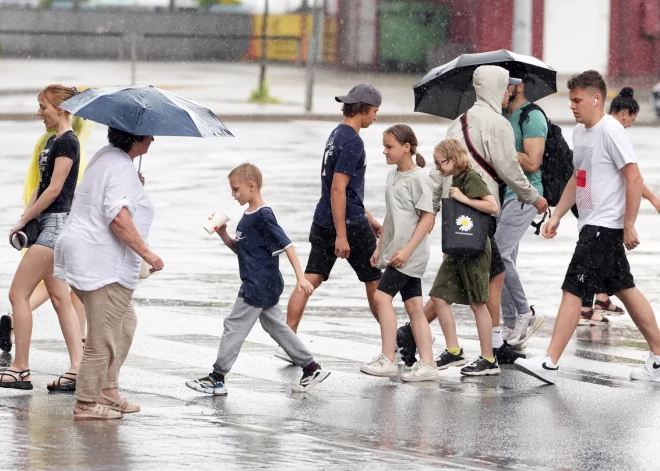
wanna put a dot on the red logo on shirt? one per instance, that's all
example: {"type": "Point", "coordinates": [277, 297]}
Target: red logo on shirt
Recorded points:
{"type": "Point", "coordinates": [582, 178]}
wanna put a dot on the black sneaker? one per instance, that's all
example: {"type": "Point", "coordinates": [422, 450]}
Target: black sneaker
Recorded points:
{"type": "Point", "coordinates": [481, 367]}
{"type": "Point", "coordinates": [506, 355]}
{"type": "Point", "coordinates": [447, 359]}
{"type": "Point", "coordinates": [312, 375]}
{"type": "Point", "coordinates": [405, 340]}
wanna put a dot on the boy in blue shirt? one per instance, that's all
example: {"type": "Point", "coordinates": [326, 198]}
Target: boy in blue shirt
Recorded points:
{"type": "Point", "coordinates": [258, 243]}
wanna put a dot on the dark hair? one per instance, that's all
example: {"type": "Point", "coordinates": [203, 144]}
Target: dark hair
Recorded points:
{"type": "Point", "coordinates": [352, 109]}
{"type": "Point", "coordinates": [589, 79]}
{"type": "Point", "coordinates": [405, 135]}
{"type": "Point", "coordinates": [122, 140]}
{"type": "Point", "coordinates": [625, 101]}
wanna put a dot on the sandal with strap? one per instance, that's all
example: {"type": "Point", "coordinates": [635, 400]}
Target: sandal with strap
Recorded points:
{"type": "Point", "coordinates": [608, 308]}
{"type": "Point", "coordinates": [120, 405]}
{"type": "Point", "coordinates": [64, 387]}
{"type": "Point", "coordinates": [6, 331]}
{"type": "Point", "coordinates": [19, 381]}
{"type": "Point", "coordinates": [98, 412]}
{"type": "Point", "coordinates": [586, 318]}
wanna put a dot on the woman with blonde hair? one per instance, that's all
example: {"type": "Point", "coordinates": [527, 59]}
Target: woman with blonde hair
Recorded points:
{"type": "Point", "coordinates": [464, 280]}
{"type": "Point", "coordinates": [49, 205]}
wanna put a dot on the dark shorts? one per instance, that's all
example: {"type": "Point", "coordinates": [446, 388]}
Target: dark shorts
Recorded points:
{"type": "Point", "coordinates": [394, 282]}
{"type": "Point", "coordinates": [496, 263]}
{"type": "Point", "coordinates": [362, 241]}
{"type": "Point", "coordinates": [599, 264]}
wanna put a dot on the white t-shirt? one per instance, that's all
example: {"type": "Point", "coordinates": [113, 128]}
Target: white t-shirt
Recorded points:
{"type": "Point", "coordinates": [88, 255]}
{"type": "Point", "coordinates": [599, 154]}
{"type": "Point", "coordinates": [407, 194]}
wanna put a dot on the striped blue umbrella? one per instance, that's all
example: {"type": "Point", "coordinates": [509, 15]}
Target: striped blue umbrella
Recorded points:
{"type": "Point", "coordinates": [146, 111]}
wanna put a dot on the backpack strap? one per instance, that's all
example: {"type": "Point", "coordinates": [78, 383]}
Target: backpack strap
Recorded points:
{"type": "Point", "coordinates": [488, 168]}
{"type": "Point", "coordinates": [524, 115]}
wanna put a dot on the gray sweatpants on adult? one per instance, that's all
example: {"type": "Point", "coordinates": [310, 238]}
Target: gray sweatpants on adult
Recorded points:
{"type": "Point", "coordinates": [513, 224]}
{"type": "Point", "coordinates": [238, 325]}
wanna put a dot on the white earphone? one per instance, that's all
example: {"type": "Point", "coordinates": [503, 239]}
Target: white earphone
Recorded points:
{"type": "Point", "coordinates": [596, 102]}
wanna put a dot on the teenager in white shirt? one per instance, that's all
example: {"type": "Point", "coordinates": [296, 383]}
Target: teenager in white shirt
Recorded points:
{"type": "Point", "coordinates": [607, 187]}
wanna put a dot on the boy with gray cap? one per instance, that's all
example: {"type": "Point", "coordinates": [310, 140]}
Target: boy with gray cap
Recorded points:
{"type": "Point", "coordinates": [342, 227]}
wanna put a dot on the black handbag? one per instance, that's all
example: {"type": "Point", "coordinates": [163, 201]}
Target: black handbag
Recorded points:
{"type": "Point", "coordinates": [465, 230]}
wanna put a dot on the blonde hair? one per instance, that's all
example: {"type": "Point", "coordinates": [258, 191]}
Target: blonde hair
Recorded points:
{"type": "Point", "coordinates": [247, 173]}
{"type": "Point", "coordinates": [404, 134]}
{"type": "Point", "coordinates": [453, 149]}
{"type": "Point", "coordinates": [58, 94]}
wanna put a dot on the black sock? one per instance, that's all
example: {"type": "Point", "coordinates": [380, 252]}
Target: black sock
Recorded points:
{"type": "Point", "coordinates": [311, 368]}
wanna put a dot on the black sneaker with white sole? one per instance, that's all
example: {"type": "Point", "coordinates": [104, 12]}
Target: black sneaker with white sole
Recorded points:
{"type": "Point", "coordinates": [213, 384]}
{"type": "Point", "coordinates": [313, 374]}
{"type": "Point", "coordinates": [481, 367]}
{"type": "Point", "coordinates": [506, 355]}
{"type": "Point", "coordinates": [447, 359]}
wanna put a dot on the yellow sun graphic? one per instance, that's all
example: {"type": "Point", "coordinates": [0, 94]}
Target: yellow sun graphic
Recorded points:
{"type": "Point", "coordinates": [464, 223]}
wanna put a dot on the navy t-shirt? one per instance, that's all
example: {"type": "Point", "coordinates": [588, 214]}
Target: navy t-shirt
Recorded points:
{"type": "Point", "coordinates": [344, 153]}
{"type": "Point", "coordinates": [259, 241]}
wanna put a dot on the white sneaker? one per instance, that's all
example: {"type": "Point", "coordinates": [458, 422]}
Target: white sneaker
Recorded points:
{"type": "Point", "coordinates": [649, 372]}
{"type": "Point", "coordinates": [380, 366]}
{"type": "Point", "coordinates": [420, 371]}
{"type": "Point", "coordinates": [506, 333]}
{"type": "Point", "coordinates": [281, 354]}
{"type": "Point", "coordinates": [538, 367]}
{"type": "Point", "coordinates": [524, 329]}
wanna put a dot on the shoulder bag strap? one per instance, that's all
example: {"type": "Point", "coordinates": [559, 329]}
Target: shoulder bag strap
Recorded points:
{"type": "Point", "coordinates": [479, 159]}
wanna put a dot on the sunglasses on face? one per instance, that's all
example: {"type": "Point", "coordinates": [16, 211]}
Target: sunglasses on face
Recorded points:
{"type": "Point", "coordinates": [437, 164]}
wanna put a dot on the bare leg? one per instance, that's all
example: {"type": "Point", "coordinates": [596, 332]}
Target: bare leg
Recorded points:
{"type": "Point", "coordinates": [371, 287]}
{"type": "Point", "coordinates": [36, 264]}
{"type": "Point", "coordinates": [484, 328]}
{"type": "Point", "coordinates": [80, 312]}
{"type": "Point", "coordinates": [642, 315]}
{"type": "Point", "coordinates": [493, 304]}
{"type": "Point", "coordinates": [39, 296]}
{"type": "Point", "coordinates": [567, 321]}
{"type": "Point", "coordinates": [386, 313]}
{"type": "Point", "coordinates": [421, 329]}
{"type": "Point", "coordinates": [298, 301]}
{"type": "Point", "coordinates": [447, 321]}
{"type": "Point", "coordinates": [429, 311]}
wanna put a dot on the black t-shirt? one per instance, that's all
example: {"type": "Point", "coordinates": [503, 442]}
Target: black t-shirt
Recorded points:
{"type": "Point", "coordinates": [66, 145]}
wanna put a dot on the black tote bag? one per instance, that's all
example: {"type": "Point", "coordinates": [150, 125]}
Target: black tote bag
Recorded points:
{"type": "Point", "coordinates": [464, 229]}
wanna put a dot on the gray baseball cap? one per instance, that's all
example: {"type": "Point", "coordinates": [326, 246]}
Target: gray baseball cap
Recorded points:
{"type": "Point", "coordinates": [514, 81]}
{"type": "Point", "coordinates": [362, 93]}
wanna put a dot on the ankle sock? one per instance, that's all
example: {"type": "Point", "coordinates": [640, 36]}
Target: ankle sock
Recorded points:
{"type": "Point", "coordinates": [218, 377]}
{"type": "Point", "coordinates": [549, 362]}
{"type": "Point", "coordinates": [489, 359]}
{"type": "Point", "coordinates": [312, 367]}
{"type": "Point", "coordinates": [497, 337]}
{"type": "Point", "coordinates": [454, 351]}
{"type": "Point", "coordinates": [527, 315]}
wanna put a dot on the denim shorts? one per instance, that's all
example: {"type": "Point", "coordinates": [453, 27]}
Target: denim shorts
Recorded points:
{"type": "Point", "coordinates": [50, 226]}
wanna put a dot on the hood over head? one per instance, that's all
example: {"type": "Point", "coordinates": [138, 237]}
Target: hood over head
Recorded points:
{"type": "Point", "coordinates": [490, 82]}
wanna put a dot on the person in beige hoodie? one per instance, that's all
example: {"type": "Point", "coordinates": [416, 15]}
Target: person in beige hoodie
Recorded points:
{"type": "Point", "coordinates": [492, 137]}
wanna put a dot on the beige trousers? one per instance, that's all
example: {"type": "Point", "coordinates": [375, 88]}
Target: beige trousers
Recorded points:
{"type": "Point", "coordinates": [111, 323]}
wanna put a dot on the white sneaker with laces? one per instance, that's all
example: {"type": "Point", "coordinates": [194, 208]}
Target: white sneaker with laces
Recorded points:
{"type": "Point", "coordinates": [538, 367]}
{"type": "Point", "coordinates": [381, 366]}
{"type": "Point", "coordinates": [506, 333]}
{"type": "Point", "coordinates": [281, 354]}
{"type": "Point", "coordinates": [649, 372]}
{"type": "Point", "coordinates": [524, 329]}
{"type": "Point", "coordinates": [420, 371]}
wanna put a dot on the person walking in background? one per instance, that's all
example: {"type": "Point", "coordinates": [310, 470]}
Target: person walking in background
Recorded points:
{"type": "Point", "coordinates": [464, 280]}
{"type": "Point", "coordinates": [403, 252]}
{"type": "Point", "coordinates": [259, 242]}
{"type": "Point", "coordinates": [82, 128]}
{"type": "Point", "coordinates": [99, 254]}
{"type": "Point", "coordinates": [49, 204]}
{"type": "Point", "coordinates": [342, 228]}
{"type": "Point", "coordinates": [607, 187]}
{"type": "Point", "coordinates": [624, 108]}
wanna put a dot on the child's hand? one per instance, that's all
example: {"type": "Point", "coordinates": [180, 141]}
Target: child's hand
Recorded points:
{"type": "Point", "coordinates": [305, 286]}
{"type": "Point", "coordinates": [222, 229]}
{"type": "Point", "coordinates": [400, 258]}
{"type": "Point", "coordinates": [458, 195]}
{"type": "Point", "coordinates": [374, 258]}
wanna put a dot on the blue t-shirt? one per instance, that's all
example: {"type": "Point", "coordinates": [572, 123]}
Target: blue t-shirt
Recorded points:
{"type": "Point", "coordinates": [259, 242]}
{"type": "Point", "coordinates": [344, 153]}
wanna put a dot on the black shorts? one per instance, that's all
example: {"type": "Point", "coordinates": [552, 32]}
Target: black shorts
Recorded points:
{"type": "Point", "coordinates": [496, 263]}
{"type": "Point", "coordinates": [361, 240]}
{"type": "Point", "coordinates": [394, 282]}
{"type": "Point", "coordinates": [599, 264]}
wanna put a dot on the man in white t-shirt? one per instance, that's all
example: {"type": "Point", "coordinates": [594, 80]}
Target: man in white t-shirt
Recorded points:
{"type": "Point", "coordinates": [607, 187]}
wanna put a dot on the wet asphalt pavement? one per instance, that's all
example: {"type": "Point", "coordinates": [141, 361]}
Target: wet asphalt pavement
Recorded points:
{"type": "Point", "coordinates": [594, 419]}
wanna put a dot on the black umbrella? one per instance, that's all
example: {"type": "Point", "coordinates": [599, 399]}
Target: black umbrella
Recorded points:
{"type": "Point", "coordinates": [447, 90]}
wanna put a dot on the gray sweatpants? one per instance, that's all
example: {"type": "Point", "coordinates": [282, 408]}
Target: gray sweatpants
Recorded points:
{"type": "Point", "coordinates": [512, 226]}
{"type": "Point", "coordinates": [238, 325]}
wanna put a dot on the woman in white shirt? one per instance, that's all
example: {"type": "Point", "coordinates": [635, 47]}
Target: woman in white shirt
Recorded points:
{"type": "Point", "coordinates": [99, 254]}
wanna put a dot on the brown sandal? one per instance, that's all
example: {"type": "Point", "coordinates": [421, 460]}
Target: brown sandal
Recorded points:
{"type": "Point", "coordinates": [586, 318]}
{"type": "Point", "coordinates": [608, 308]}
{"type": "Point", "coordinates": [120, 405]}
{"type": "Point", "coordinates": [98, 412]}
